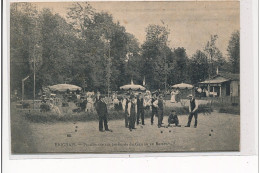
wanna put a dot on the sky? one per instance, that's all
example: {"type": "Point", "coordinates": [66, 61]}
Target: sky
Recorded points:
{"type": "Point", "coordinates": [190, 23]}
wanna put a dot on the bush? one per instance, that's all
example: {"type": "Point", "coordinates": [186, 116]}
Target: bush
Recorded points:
{"type": "Point", "coordinates": [45, 117]}
{"type": "Point", "coordinates": [26, 105]}
{"type": "Point", "coordinates": [45, 107]}
{"type": "Point", "coordinates": [48, 116]}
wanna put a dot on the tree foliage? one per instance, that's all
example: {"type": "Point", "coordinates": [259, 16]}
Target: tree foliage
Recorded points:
{"type": "Point", "coordinates": [92, 50]}
{"type": "Point", "coordinates": [234, 51]}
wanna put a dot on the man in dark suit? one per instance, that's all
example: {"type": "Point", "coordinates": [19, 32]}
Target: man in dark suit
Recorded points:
{"type": "Point", "coordinates": [101, 108]}
{"type": "Point", "coordinates": [154, 107]}
{"type": "Point", "coordinates": [140, 109]}
{"type": "Point", "coordinates": [132, 110]}
{"type": "Point", "coordinates": [160, 110]}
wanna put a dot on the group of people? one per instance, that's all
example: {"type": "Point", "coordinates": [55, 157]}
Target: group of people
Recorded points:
{"type": "Point", "coordinates": [134, 108]}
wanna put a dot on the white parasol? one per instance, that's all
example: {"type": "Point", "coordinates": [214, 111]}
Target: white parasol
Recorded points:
{"type": "Point", "coordinates": [183, 86]}
{"type": "Point", "coordinates": [64, 87]}
{"type": "Point", "coordinates": [133, 86]}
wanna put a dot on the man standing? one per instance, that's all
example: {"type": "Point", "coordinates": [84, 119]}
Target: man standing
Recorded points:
{"type": "Point", "coordinates": [140, 109]}
{"type": "Point", "coordinates": [154, 103]}
{"type": "Point", "coordinates": [160, 111]}
{"type": "Point", "coordinates": [101, 108]}
{"type": "Point", "coordinates": [125, 109]}
{"type": "Point", "coordinates": [193, 108]}
{"type": "Point", "coordinates": [132, 110]}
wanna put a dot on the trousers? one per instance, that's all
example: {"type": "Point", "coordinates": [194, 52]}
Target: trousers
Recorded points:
{"type": "Point", "coordinates": [195, 114]}
{"type": "Point", "coordinates": [140, 113]}
{"type": "Point", "coordinates": [154, 112]}
{"type": "Point", "coordinates": [103, 119]}
{"type": "Point", "coordinates": [160, 117]}
{"type": "Point", "coordinates": [126, 119]}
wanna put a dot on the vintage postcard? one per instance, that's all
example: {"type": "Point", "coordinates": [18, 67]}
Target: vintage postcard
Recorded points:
{"type": "Point", "coordinates": [124, 77]}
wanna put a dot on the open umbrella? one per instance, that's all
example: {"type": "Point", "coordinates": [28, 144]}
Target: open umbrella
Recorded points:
{"type": "Point", "coordinates": [64, 87]}
{"type": "Point", "coordinates": [183, 86]}
{"type": "Point", "coordinates": [133, 86]}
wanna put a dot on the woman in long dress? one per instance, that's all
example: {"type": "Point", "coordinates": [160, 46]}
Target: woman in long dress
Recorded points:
{"type": "Point", "coordinates": [90, 104]}
{"type": "Point", "coordinates": [173, 95]}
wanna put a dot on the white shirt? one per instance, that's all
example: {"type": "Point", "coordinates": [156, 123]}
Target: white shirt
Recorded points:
{"type": "Point", "coordinates": [155, 103]}
{"type": "Point", "coordinates": [124, 104]}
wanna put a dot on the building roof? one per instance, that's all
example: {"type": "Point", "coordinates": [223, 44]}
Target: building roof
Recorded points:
{"type": "Point", "coordinates": [215, 80]}
{"type": "Point", "coordinates": [231, 76]}
{"type": "Point", "coordinates": [221, 78]}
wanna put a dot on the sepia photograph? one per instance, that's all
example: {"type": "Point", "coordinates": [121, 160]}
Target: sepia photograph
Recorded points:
{"type": "Point", "coordinates": [108, 77]}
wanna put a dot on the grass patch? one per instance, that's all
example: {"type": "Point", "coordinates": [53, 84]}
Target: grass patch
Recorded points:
{"type": "Point", "coordinates": [226, 108]}
{"type": "Point", "coordinates": [230, 110]}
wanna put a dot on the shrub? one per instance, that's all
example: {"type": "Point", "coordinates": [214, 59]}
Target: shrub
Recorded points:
{"type": "Point", "coordinates": [26, 105]}
{"type": "Point", "coordinates": [45, 107]}
{"type": "Point", "coordinates": [48, 116]}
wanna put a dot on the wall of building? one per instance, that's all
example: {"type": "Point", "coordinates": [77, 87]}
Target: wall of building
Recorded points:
{"type": "Point", "coordinates": [223, 90]}
{"type": "Point", "coordinates": [234, 88]}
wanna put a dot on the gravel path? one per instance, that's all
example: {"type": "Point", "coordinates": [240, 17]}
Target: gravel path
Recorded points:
{"type": "Point", "coordinates": [215, 132]}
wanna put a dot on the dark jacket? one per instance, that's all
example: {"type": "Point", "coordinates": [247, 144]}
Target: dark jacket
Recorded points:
{"type": "Point", "coordinates": [160, 104]}
{"type": "Point", "coordinates": [101, 108]}
{"type": "Point", "coordinates": [140, 103]}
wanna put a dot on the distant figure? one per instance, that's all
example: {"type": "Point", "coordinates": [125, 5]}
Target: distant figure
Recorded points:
{"type": "Point", "coordinates": [83, 104]}
{"type": "Point", "coordinates": [147, 102]}
{"type": "Point", "coordinates": [173, 96]}
{"type": "Point", "coordinates": [193, 108]}
{"type": "Point", "coordinates": [132, 110]}
{"type": "Point", "coordinates": [55, 109]}
{"type": "Point", "coordinates": [101, 109]}
{"type": "Point", "coordinates": [140, 109]}
{"type": "Point", "coordinates": [125, 109]}
{"type": "Point", "coordinates": [120, 107]}
{"type": "Point", "coordinates": [90, 104]}
{"type": "Point", "coordinates": [173, 119]}
{"type": "Point", "coordinates": [116, 103]}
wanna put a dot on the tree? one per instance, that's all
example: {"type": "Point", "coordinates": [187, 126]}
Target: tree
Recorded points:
{"type": "Point", "coordinates": [23, 17]}
{"type": "Point", "coordinates": [79, 15]}
{"type": "Point", "coordinates": [96, 30]}
{"type": "Point", "coordinates": [215, 57]}
{"type": "Point", "coordinates": [234, 51]}
{"type": "Point", "coordinates": [179, 66]}
{"type": "Point", "coordinates": [198, 67]}
{"type": "Point", "coordinates": [155, 53]}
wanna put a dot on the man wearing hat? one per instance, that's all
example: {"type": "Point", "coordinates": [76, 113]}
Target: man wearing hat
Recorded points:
{"type": "Point", "coordinates": [132, 110]}
{"type": "Point", "coordinates": [193, 108]}
{"type": "Point", "coordinates": [101, 108]}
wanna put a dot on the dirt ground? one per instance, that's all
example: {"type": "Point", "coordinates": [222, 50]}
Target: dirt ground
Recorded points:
{"type": "Point", "coordinates": [215, 132]}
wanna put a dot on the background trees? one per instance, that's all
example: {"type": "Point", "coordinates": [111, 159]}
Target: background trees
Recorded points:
{"type": "Point", "coordinates": [92, 50]}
